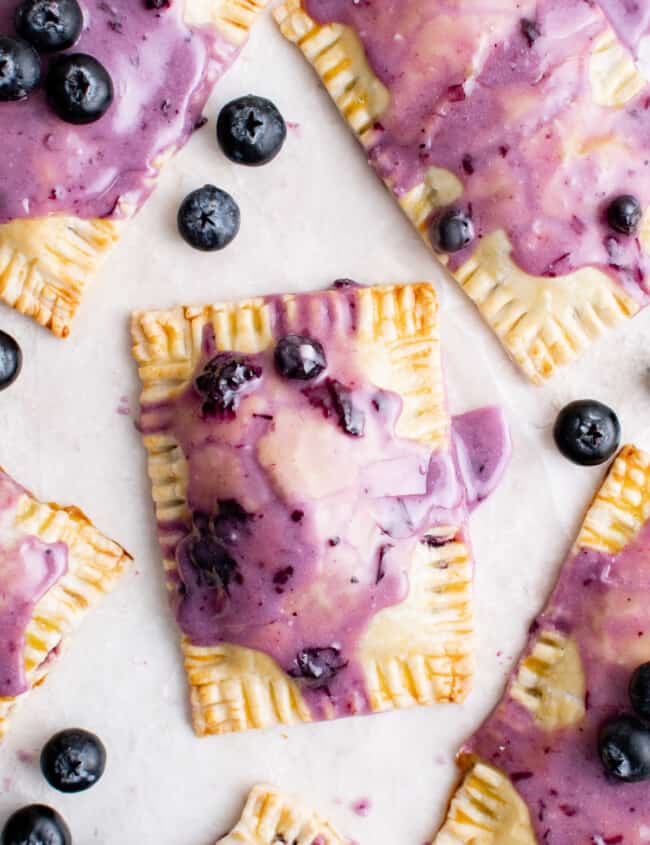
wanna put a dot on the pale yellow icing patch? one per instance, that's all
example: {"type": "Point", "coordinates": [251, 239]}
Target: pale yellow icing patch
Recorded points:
{"type": "Point", "coordinates": [232, 18]}
{"type": "Point", "coordinates": [614, 77]}
{"type": "Point", "coordinates": [550, 682]}
{"type": "Point", "coordinates": [486, 810]}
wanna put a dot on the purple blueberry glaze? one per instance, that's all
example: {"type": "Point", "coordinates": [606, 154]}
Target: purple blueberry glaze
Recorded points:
{"type": "Point", "coordinates": [29, 569]}
{"type": "Point", "coordinates": [331, 520]}
{"type": "Point", "coordinates": [601, 601]}
{"type": "Point", "coordinates": [162, 71]}
{"type": "Point", "coordinates": [504, 131]}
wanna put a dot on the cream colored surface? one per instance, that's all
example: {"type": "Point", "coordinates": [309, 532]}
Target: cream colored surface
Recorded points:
{"type": "Point", "coordinates": [549, 682]}
{"type": "Point", "coordinates": [415, 653]}
{"type": "Point", "coordinates": [46, 262]}
{"type": "Point", "coordinates": [271, 818]}
{"type": "Point", "coordinates": [543, 323]}
{"type": "Point", "coordinates": [94, 565]}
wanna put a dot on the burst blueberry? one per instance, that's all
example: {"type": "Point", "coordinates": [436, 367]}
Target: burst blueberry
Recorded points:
{"type": "Point", "coordinates": [73, 760]}
{"type": "Point", "coordinates": [50, 25]}
{"type": "Point", "coordinates": [36, 824]}
{"type": "Point", "coordinates": [79, 88]}
{"type": "Point", "coordinates": [214, 565]}
{"type": "Point", "coordinates": [299, 357]}
{"type": "Point", "coordinates": [208, 218]}
{"type": "Point", "coordinates": [251, 130]}
{"type": "Point", "coordinates": [452, 231]}
{"type": "Point", "coordinates": [225, 379]}
{"type": "Point", "coordinates": [624, 749]}
{"type": "Point", "coordinates": [20, 68]}
{"type": "Point", "coordinates": [624, 214]}
{"type": "Point", "coordinates": [317, 666]}
{"type": "Point", "coordinates": [587, 432]}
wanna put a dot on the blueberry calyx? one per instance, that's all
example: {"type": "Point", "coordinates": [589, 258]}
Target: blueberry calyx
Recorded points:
{"type": "Point", "coordinates": [587, 432]}
{"type": "Point", "coordinates": [50, 25]}
{"type": "Point", "coordinates": [79, 88]}
{"type": "Point", "coordinates": [251, 130]}
{"type": "Point", "coordinates": [73, 760]}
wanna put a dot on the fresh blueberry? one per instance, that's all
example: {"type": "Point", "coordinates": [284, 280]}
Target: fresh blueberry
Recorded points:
{"type": "Point", "coordinates": [73, 760]}
{"type": "Point", "coordinates": [50, 25]}
{"type": "Point", "coordinates": [640, 691]}
{"type": "Point", "coordinates": [79, 88]}
{"type": "Point", "coordinates": [214, 565]}
{"type": "Point", "coordinates": [452, 231]}
{"type": "Point", "coordinates": [20, 68]}
{"type": "Point", "coordinates": [624, 748]}
{"type": "Point", "coordinates": [587, 432]}
{"type": "Point", "coordinates": [299, 357]}
{"type": "Point", "coordinates": [317, 666]}
{"type": "Point", "coordinates": [251, 130]}
{"type": "Point", "coordinates": [223, 381]}
{"type": "Point", "coordinates": [36, 824]}
{"type": "Point", "coordinates": [624, 214]}
{"type": "Point", "coordinates": [11, 360]}
{"type": "Point", "coordinates": [335, 399]}
{"type": "Point", "coordinates": [208, 218]}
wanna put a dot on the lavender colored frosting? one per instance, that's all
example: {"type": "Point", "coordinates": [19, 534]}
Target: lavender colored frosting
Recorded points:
{"type": "Point", "coordinates": [601, 602]}
{"type": "Point", "coordinates": [28, 569]}
{"type": "Point", "coordinates": [477, 92]}
{"type": "Point", "coordinates": [162, 72]}
{"type": "Point", "coordinates": [325, 524]}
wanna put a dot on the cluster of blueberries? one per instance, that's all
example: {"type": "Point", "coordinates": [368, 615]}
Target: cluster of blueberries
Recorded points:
{"type": "Point", "coordinates": [453, 230]}
{"type": "Point", "coordinates": [624, 741]}
{"type": "Point", "coordinates": [73, 760]}
{"type": "Point", "coordinates": [79, 89]}
{"type": "Point", "coordinates": [250, 131]}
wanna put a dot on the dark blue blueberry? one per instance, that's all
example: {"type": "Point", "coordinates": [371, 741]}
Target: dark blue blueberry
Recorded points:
{"type": "Point", "coordinates": [452, 231]}
{"type": "Point", "coordinates": [624, 748]}
{"type": "Point", "coordinates": [231, 520]}
{"type": "Point", "coordinates": [223, 381]}
{"type": "Point", "coordinates": [11, 360]}
{"type": "Point", "coordinates": [79, 88]}
{"type": "Point", "coordinates": [36, 824]}
{"type": "Point", "coordinates": [20, 68]}
{"type": "Point", "coordinates": [335, 399]}
{"type": "Point", "coordinates": [73, 760]}
{"type": "Point", "coordinates": [251, 130]}
{"type": "Point", "coordinates": [640, 691]}
{"type": "Point", "coordinates": [624, 214]}
{"type": "Point", "coordinates": [50, 25]}
{"type": "Point", "coordinates": [208, 218]}
{"type": "Point", "coordinates": [215, 567]}
{"type": "Point", "coordinates": [299, 357]}
{"type": "Point", "coordinates": [317, 666]}
{"type": "Point", "coordinates": [587, 432]}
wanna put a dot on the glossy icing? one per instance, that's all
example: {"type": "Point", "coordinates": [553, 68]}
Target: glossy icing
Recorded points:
{"type": "Point", "coordinates": [162, 72]}
{"type": "Point", "coordinates": [28, 569]}
{"type": "Point", "coordinates": [319, 525]}
{"type": "Point", "coordinates": [500, 95]}
{"type": "Point", "coordinates": [601, 603]}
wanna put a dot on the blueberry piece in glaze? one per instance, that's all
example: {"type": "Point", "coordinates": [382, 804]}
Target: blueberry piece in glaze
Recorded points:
{"type": "Point", "coordinates": [317, 666]}
{"type": "Point", "coordinates": [299, 357]}
{"type": "Point", "coordinates": [230, 521]}
{"type": "Point", "coordinates": [36, 824]}
{"type": "Point", "coordinates": [251, 130]}
{"type": "Point", "coordinates": [208, 219]}
{"type": "Point", "coordinates": [11, 360]}
{"type": "Point", "coordinates": [49, 25]}
{"type": "Point", "coordinates": [452, 231]}
{"type": "Point", "coordinates": [20, 68]}
{"type": "Point", "coordinates": [624, 214]}
{"type": "Point", "coordinates": [212, 562]}
{"type": "Point", "coordinates": [639, 691]}
{"type": "Point", "coordinates": [158, 4]}
{"type": "Point", "coordinates": [624, 749]}
{"type": "Point", "coordinates": [73, 760]}
{"type": "Point", "coordinates": [335, 399]}
{"type": "Point", "coordinates": [79, 88]}
{"type": "Point", "coordinates": [587, 432]}
{"type": "Point", "coordinates": [530, 30]}
{"type": "Point", "coordinates": [223, 382]}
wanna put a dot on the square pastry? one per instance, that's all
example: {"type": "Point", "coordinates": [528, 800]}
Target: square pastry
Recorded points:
{"type": "Point", "coordinates": [564, 758]}
{"type": "Point", "coordinates": [55, 565]}
{"type": "Point", "coordinates": [514, 136]}
{"type": "Point", "coordinates": [67, 189]}
{"type": "Point", "coordinates": [271, 818]}
{"type": "Point", "coordinates": [312, 495]}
